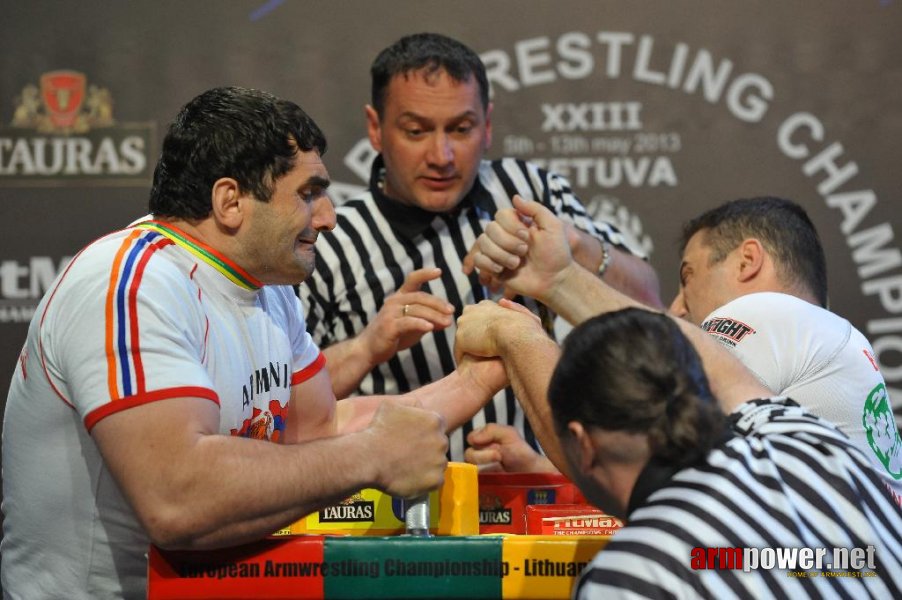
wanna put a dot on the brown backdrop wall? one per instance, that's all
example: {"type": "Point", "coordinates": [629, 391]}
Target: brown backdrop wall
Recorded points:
{"type": "Point", "coordinates": [655, 111]}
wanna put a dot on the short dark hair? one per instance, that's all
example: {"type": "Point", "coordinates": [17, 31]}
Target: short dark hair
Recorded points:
{"type": "Point", "coordinates": [246, 134]}
{"type": "Point", "coordinates": [430, 51]}
{"type": "Point", "coordinates": [782, 226]}
{"type": "Point", "coordinates": [634, 371]}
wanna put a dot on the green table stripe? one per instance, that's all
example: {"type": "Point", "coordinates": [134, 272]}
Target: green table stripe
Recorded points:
{"type": "Point", "coordinates": [404, 567]}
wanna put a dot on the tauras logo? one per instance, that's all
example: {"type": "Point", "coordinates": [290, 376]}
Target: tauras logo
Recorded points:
{"type": "Point", "coordinates": [495, 516]}
{"type": "Point", "coordinates": [118, 154]}
{"type": "Point", "coordinates": [358, 511]}
{"type": "Point", "coordinates": [65, 130]}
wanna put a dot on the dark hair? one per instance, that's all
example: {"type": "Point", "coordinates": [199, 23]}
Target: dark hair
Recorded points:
{"type": "Point", "coordinates": [634, 371]}
{"type": "Point", "coordinates": [430, 51]}
{"type": "Point", "coordinates": [782, 226]}
{"type": "Point", "coordinates": [249, 135]}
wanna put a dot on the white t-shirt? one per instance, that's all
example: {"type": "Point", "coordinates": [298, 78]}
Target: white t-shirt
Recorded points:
{"type": "Point", "coordinates": [819, 360]}
{"type": "Point", "coordinates": [141, 315]}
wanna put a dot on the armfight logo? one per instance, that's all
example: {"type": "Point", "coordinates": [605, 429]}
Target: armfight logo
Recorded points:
{"type": "Point", "coordinates": [63, 131]}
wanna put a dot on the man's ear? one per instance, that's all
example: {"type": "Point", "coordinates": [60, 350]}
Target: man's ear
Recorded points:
{"type": "Point", "coordinates": [226, 202]}
{"type": "Point", "coordinates": [585, 447]}
{"type": "Point", "coordinates": [373, 128]}
{"type": "Point", "coordinates": [751, 259]}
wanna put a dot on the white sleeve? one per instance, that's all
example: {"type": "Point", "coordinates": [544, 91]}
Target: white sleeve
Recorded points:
{"type": "Point", "coordinates": [753, 330]}
{"type": "Point", "coordinates": [116, 336]}
{"type": "Point", "coordinates": [804, 352]}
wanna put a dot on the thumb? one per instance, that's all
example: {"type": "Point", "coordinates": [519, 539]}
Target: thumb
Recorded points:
{"type": "Point", "coordinates": [538, 212]}
{"type": "Point", "coordinates": [508, 303]}
{"type": "Point", "coordinates": [478, 437]}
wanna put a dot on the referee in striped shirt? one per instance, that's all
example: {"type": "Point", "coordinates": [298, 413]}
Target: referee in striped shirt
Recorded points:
{"type": "Point", "coordinates": [652, 418]}
{"type": "Point", "coordinates": [398, 268]}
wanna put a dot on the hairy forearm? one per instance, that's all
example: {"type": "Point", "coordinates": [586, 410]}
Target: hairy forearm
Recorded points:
{"type": "Point", "coordinates": [225, 490]}
{"type": "Point", "coordinates": [530, 357]}
{"type": "Point", "coordinates": [625, 272]}
{"type": "Point", "coordinates": [579, 296]}
{"type": "Point", "coordinates": [456, 397]}
{"type": "Point", "coordinates": [348, 363]}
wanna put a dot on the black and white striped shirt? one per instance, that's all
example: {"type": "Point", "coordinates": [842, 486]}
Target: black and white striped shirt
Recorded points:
{"type": "Point", "coordinates": [785, 479]}
{"type": "Point", "coordinates": [378, 241]}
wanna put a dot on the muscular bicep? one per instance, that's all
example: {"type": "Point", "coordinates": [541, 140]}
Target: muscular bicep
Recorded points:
{"type": "Point", "coordinates": [312, 410]}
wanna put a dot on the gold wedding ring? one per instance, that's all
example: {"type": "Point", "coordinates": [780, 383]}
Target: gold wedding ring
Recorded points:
{"type": "Point", "coordinates": [406, 309]}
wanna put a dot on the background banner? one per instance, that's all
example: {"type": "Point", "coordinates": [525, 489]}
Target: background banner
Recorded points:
{"type": "Point", "coordinates": [653, 110]}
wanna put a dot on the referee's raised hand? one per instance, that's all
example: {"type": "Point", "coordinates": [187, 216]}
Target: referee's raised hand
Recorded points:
{"type": "Point", "coordinates": [406, 316]}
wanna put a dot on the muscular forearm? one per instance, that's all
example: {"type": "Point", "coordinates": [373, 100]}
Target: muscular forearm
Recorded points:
{"type": "Point", "coordinates": [579, 295]}
{"type": "Point", "coordinates": [225, 490]}
{"type": "Point", "coordinates": [323, 472]}
{"type": "Point", "coordinates": [456, 397]}
{"type": "Point", "coordinates": [530, 358]}
{"type": "Point", "coordinates": [348, 363]}
{"type": "Point", "coordinates": [625, 272]}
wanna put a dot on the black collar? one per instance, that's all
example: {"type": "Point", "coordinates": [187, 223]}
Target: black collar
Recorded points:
{"type": "Point", "coordinates": [658, 472]}
{"type": "Point", "coordinates": [653, 477]}
{"type": "Point", "coordinates": [411, 221]}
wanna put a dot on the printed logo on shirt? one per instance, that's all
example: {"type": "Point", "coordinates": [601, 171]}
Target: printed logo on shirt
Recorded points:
{"type": "Point", "coordinates": [882, 434]}
{"type": "Point", "coordinates": [63, 129]}
{"type": "Point", "coordinates": [264, 380]}
{"type": "Point", "coordinates": [730, 331]}
{"type": "Point", "coordinates": [264, 424]}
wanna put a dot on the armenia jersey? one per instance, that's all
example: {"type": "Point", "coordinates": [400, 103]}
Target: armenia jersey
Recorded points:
{"type": "Point", "coordinates": [138, 316]}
